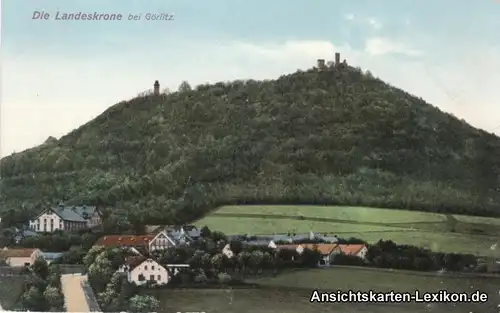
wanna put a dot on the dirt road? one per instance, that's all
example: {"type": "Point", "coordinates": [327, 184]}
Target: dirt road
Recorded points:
{"type": "Point", "coordinates": [74, 296]}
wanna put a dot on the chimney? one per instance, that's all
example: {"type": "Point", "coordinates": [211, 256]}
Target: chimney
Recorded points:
{"type": "Point", "coordinates": [337, 58]}
{"type": "Point", "coordinates": [321, 64]}
{"type": "Point", "coordinates": [156, 88]}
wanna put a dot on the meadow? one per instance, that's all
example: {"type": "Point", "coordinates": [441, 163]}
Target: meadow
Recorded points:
{"type": "Point", "coordinates": [275, 294]}
{"type": "Point", "coordinates": [11, 288]}
{"type": "Point", "coordinates": [439, 232]}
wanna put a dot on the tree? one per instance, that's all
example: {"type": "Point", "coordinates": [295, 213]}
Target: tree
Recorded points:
{"type": "Point", "coordinates": [34, 300]}
{"type": "Point", "coordinates": [184, 87]}
{"type": "Point", "coordinates": [41, 268]}
{"type": "Point", "coordinates": [143, 304]}
{"type": "Point", "coordinates": [54, 298]}
{"type": "Point", "coordinates": [54, 278]}
{"type": "Point", "coordinates": [101, 271]}
{"type": "Point", "coordinates": [91, 255]}
{"type": "Point", "coordinates": [74, 255]}
{"type": "Point", "coordinates": [205, 232]}
{"type": "Point", "coordinates": [256, 258]}
{"type": "Point", "coordinates": [217, 261]}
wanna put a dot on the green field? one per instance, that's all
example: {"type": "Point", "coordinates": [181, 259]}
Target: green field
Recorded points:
{"type": "Point", "coordinates": [290, 293]}
{"type": "Point", "coordinates": [11, 288]}
{"type": "Point", "coordinates": [439, 232]}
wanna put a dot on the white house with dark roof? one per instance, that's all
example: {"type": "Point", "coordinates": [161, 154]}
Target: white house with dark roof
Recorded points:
{"type": "Point", "coordinates": [141, 270]}
{"type": "Point", "coordinates": [66, 218]}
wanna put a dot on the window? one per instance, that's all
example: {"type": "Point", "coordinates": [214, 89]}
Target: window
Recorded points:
{"type": "Point", "coordinates": [37, 226]}
{"type": "Point", "coordinates": [146, 267]}
{"type": "Point", "coordinates": [159, 277]}
{"type": "Point", "coordinates": [51, 227]}
{"type": "Point", "coordinates": [141, 277]}
{"type": "Point", "coordinates": [152, 267]}
{"type": "Point", "coordinates": [152, 277]}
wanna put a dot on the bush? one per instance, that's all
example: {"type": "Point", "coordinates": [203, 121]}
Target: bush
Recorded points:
{"type": "Point", "coordinates": [224, 278]}
{"type": "Point", "coordinates": [143, 304]}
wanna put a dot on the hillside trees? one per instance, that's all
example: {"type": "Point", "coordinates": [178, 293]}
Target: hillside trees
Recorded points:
{"type": "Point", "coordinates": [317, 138]}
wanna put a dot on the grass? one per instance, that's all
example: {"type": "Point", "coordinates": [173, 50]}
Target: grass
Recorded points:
{"type": "Point", "coordinates": [439, 232]}
{"type": "Point", "coordinates": [290, 293]}
{"type": "Point", "coordinates": [358, 214]}
{"type": "Point", "coordinates": [234, 225]}
{"type": "Point", "coordinates": [11, 288]}
{"type": "Point", "coordinates": [478, 219]}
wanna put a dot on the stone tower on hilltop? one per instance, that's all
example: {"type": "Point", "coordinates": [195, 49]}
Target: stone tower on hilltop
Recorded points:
{"type": "Point", "coordinates": [337, 58]}
{"type": "Point", "coordinates": [321, 64]}
{"type": "Point", "coordinates": [156, 88]}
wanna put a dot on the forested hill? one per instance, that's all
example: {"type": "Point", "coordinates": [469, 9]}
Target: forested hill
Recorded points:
{"type": "Point", "coordinates": [337, 137]}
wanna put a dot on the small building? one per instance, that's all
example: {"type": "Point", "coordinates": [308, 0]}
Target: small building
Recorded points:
{"type": "Point", "coordinates": [66, 218]}
{"type": "Point", "coordinates": [52, 256]}
{"type": "Point", "coordinates": [20, 257]}
{"type": "Point", "coordinates": [21, 234]}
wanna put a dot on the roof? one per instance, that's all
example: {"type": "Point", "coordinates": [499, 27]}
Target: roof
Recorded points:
{"type": "Point", "coordinates": [16, 253]}
{"type": "Point", "coordinates": [52, 255]}
{"type": "Point", "coordinates": [73, 213]}
{"type": "Point", "coordinates": [134, 261]}
{"type": "Point", "coordinates": [68, 214]}
{"type": "Point", "coordinates": [350, 249]}
{"type": "Point", "coordinates": [326, 248]}
{"type": "Point", "coordinates": [180, 235]}
{"type": "Point", "coordinates": [84, 211]}
{"type": "Point", "coordinates": [124, 240]}
{"type": "Point", "coordinates": [257, 242]}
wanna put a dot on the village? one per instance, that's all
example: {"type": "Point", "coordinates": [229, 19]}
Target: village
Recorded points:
{"type": "Point", "coordinates": [143, 266]}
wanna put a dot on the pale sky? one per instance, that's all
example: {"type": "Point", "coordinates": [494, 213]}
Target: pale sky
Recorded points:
{"type": "Point", "coordinates": [57, 75]}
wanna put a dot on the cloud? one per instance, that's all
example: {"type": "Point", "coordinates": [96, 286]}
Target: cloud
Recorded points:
{"type": "Point", "coordinates": [49, 95]}
{"type": "Point", "coordinates": [349, 16]}
{"type": "Point", "coordinates": [380, 45]}
{"type": "Point", "coordinates": [374, 23]}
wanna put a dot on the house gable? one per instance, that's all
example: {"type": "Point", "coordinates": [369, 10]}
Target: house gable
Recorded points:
{"type": "Point", "coordinates": [149, 270]}
{"type": "Point", "coordinates": [161, 241]}
{"type": "Point", "coordinates": [46, 211]}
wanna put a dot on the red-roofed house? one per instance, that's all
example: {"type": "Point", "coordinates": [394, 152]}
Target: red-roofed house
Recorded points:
{"type": "Point", "coordinates": [160, 241]}
{"type": "Point", "coordinates": [358, 250]}
{"type": "Point", "coordinates": [329, 250]}
{"type": "Point", "coordinates": [326, 250]}
{"type": "Point", "coordinates": [20, 257]}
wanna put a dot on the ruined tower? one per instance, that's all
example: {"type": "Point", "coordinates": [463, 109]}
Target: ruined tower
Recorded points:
{"type": "Point", "coordinates": [337, 58]}
{"type": "Point", "coordinates": [156, 88]}
{"type": "Point", "coordinates": [321, 64]}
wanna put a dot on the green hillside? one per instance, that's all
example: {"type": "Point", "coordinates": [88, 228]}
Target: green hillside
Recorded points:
{"type": "Point", "coordinates": [335, 137]}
